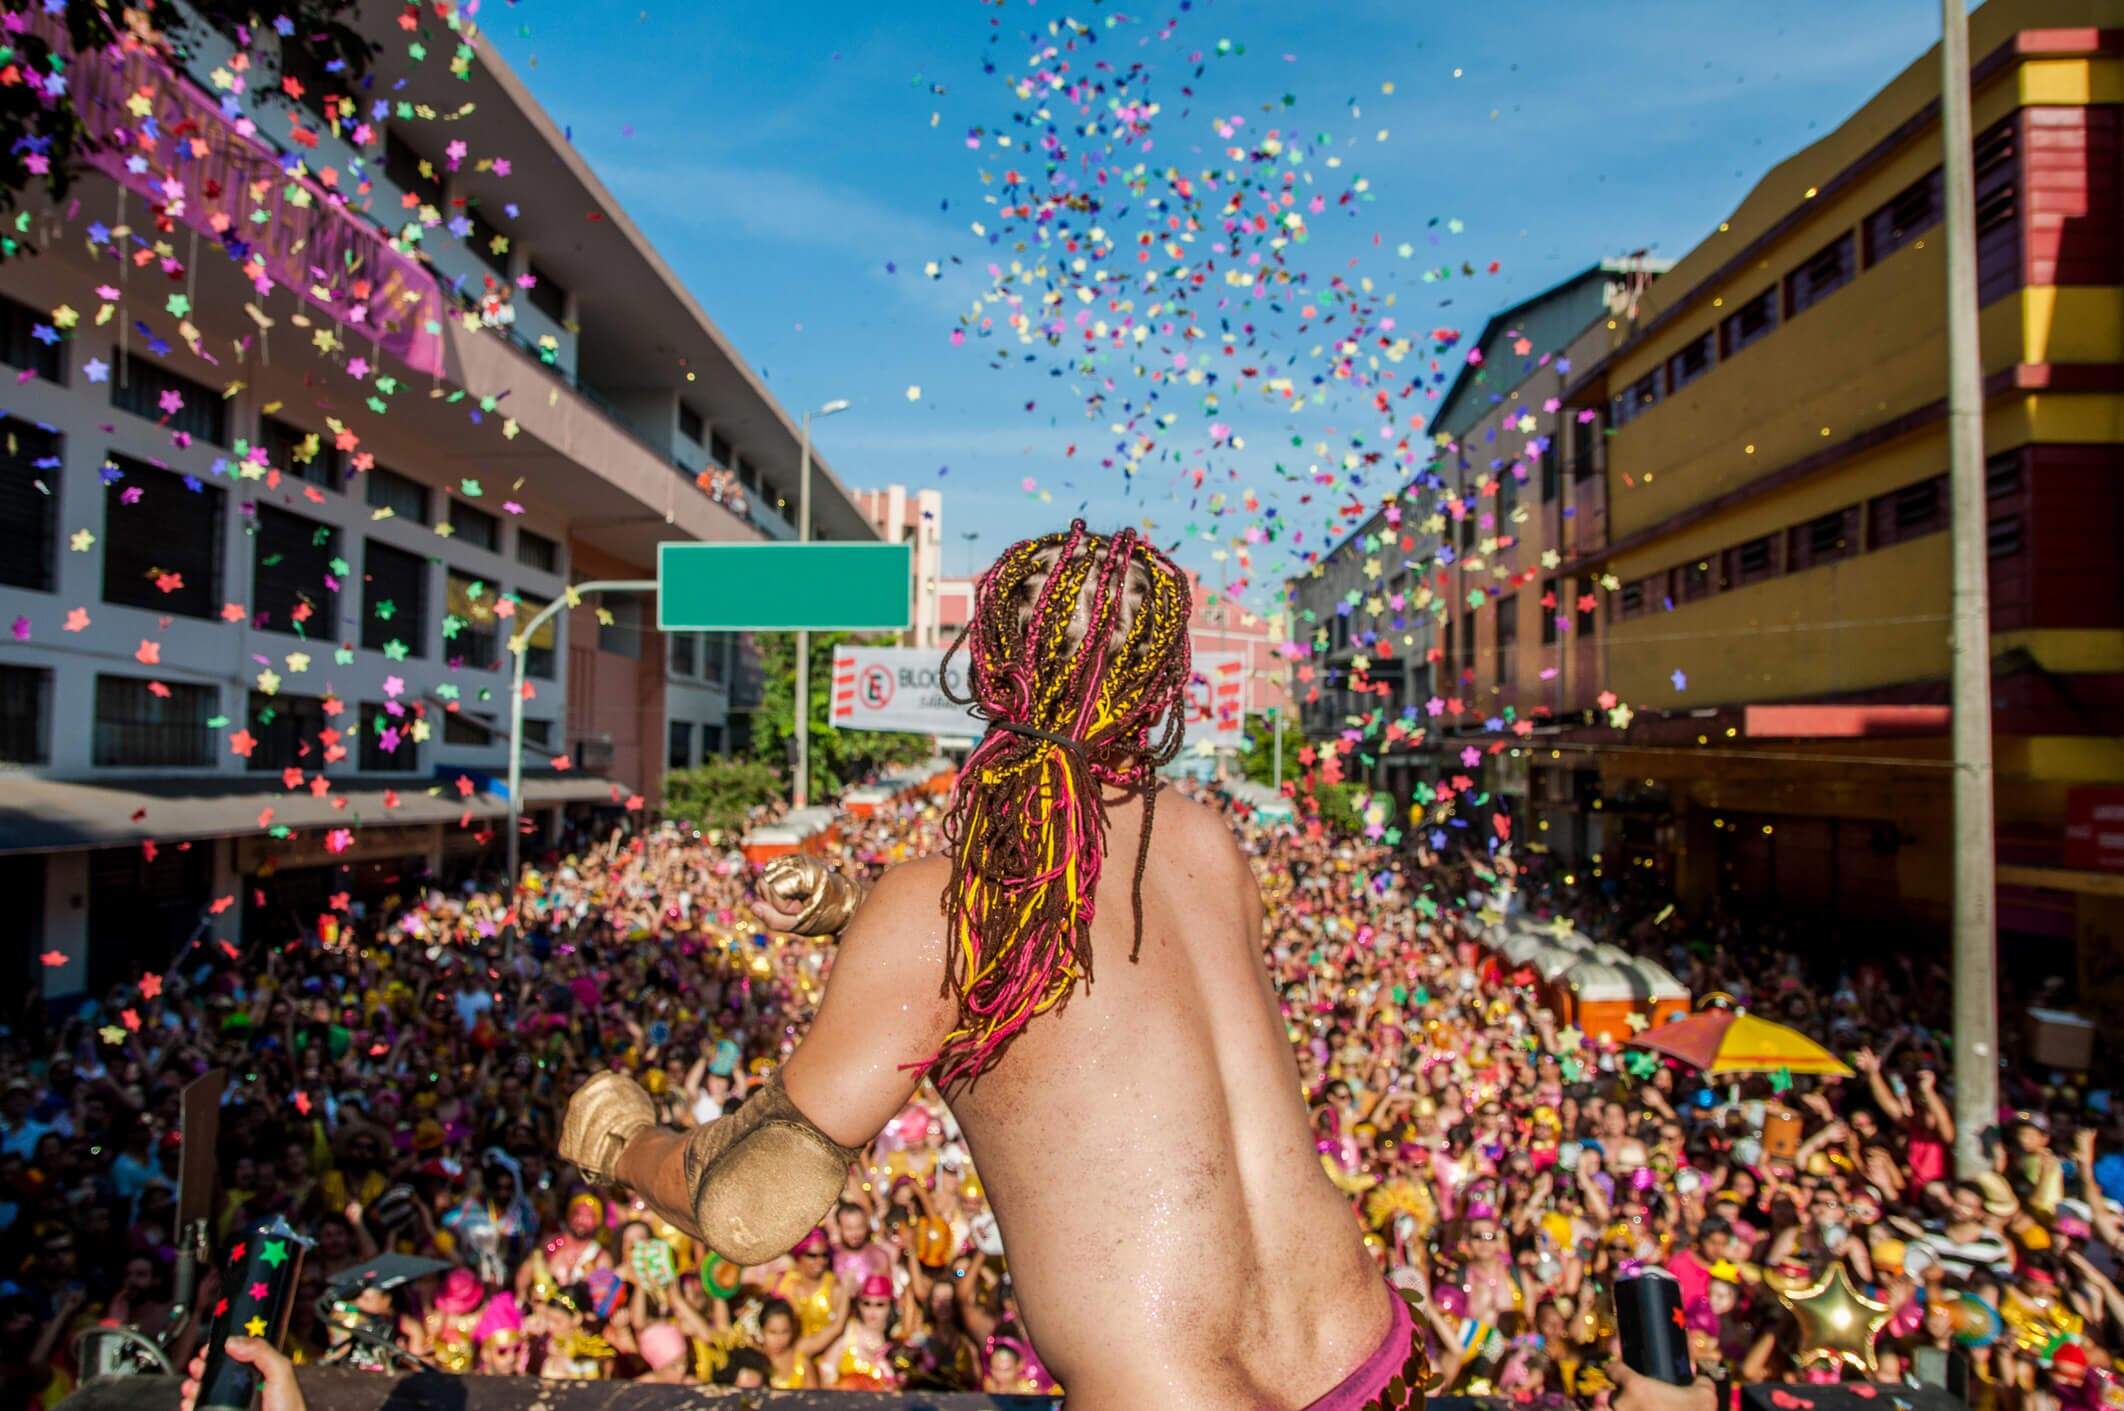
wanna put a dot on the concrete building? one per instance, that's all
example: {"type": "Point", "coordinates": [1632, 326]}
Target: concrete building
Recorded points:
{"type": "Point", "coordinates": [1777, 516]}
{"type": "Point", "coordinates": [1443, 608]}
{"type": "Point", "coordinates": [899, 515]}
{"type": "Point", "coordinates": [265, 524]}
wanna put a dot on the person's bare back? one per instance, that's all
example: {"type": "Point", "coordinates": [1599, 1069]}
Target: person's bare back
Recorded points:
{"type": "Point", "coordinates": [1173, 1238]}
{"type": "Point", "coordinates": [1137, 1119]}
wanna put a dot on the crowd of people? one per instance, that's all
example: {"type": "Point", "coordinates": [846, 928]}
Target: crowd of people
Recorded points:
{"type": "Point", "coordinates": [396, 1075]}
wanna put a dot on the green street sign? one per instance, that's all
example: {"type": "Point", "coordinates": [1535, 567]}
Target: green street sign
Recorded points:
{"type": "Point", "coordinates": [783, 587]}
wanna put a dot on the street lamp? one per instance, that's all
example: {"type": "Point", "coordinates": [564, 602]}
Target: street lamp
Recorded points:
{"type": "Point", "coordinates": [801, 792]}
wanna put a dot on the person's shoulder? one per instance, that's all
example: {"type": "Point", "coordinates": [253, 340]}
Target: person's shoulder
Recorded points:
{"type": "Point", "coordinates": [1194, 827]}
{"type": "Point", "coordinates": [909, 887]}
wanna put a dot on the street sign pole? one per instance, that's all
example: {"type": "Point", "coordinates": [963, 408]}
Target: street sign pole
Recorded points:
{"type": "Point", "coordinates": [520, 647]}
{"type": "Point", "coordinates": [800, 707]}
{"type": "Point", "coordinates": [1976, 986]}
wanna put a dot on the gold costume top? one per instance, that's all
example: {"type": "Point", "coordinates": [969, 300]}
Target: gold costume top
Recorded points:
{"type": "Point", "coordinates": [857, 1367]}
{"type": "Point", "coordinates": [450, 1336]}
{"type": "Point", "coordinates": [814, 1310]}
{"type": "Point", "coordinates": [799, 1377]}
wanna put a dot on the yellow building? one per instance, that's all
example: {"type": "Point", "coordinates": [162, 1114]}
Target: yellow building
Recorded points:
{"type": "Point", "coordinates": [1775, 466]}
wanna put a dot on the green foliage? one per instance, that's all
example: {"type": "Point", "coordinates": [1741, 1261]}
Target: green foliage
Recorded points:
{"type": "Point", "coordinates": [332, 50]}
{"type": "Point", "coordinates": [838, 757]}
{"type": "Point", "coordinates": [719, 792]}
{"type": "Point", "coordinates": [1258, 761]}
{"type": "Point", "coordinates": [1338, 807]}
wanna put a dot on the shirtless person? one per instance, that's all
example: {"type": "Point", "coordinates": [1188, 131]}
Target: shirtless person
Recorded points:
{"type": "Point", "coordinates": [1119, 1070]}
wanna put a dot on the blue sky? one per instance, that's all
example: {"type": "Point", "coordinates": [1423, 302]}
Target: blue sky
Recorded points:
{"type": "Point", "coordinates": [800, 164]}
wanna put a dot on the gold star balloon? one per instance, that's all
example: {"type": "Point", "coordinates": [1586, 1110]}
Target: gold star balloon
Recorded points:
{"type": "Point", "coordinates": [1837, 1323]}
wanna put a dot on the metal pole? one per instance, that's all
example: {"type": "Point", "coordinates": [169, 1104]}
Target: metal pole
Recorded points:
{"type": "Point", "coordinates": [1279, 749]}
{"type": "Point", "coordinates": [801, 790]}
{"type": "Point", "coordinates": [520, 647]}
{"type": "Point", "coordinates": [1976, 1018]}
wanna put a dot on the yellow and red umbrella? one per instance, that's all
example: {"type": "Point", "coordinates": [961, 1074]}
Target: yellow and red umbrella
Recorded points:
{"type": "Point", "coordinates": [1735, 1041]}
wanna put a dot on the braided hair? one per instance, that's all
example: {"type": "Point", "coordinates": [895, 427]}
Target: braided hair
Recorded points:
{"type": "Point", "coordinates": [1077, 655]}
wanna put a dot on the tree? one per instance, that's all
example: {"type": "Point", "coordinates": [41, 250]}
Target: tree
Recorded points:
{"type": "Point", "coordinates": [838, 757]}
{"type": "Point", "coordinates": [719, 792]}
{"type": "Point", "coordinates": [41, 135]}
{"type": "Point", "coordinates": [1258, 761]}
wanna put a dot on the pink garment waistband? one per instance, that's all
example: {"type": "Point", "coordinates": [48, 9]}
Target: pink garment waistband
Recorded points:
{"type": "Point", "coordinates": [1392, 1378]}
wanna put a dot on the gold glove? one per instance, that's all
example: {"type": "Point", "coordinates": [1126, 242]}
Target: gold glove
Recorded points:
{"type": "Point", "coordinates": [824, 899]}
{"type": "Point", "coordinates": [604, 1115]}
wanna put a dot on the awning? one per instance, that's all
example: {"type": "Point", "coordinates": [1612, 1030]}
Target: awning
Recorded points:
{"type": "Point", "coordinates": [52, 815]}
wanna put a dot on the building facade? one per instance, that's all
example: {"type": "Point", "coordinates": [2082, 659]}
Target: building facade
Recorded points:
{"type": "Point", "coordinates": [1445, 614]}
{"type": "Point", "coordinates": [898, 515]}
{"type": "Point", "coordinates": [267, 546]}
{"type": "Point", "coordinates": [1773, 424]}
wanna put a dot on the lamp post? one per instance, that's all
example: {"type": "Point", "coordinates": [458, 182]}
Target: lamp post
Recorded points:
{"type": "Point", "coordinates": [800, 794]}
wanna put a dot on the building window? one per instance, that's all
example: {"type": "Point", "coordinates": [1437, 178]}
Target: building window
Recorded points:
{"type": "Point", "coordinates": [463, 728]}
{"type": "Point", "coordinates": [711, 741]}
{"type": "Point", "coordinates": [161, 541]}
{"type": "Point", "coordinates": [394, 599]}
{"type": "Point", "coordinates": [20, 347]}
{"type": "Point", "coordinates": [470, 633]}
{"type": "Point", "coordinates": [1749, 323]}
{"type": "Point", "coordinates": [1692, 362]}
{"type": "Point", "coordinates": [691, 426]}
{"type": "Point", "coordinates": [538, 734]}
{"type": "Point", "coordinates": [1998, 208]}
{"type": "Point", "coordinates": [1631, 601]}
{"type": "Point", "coordinates": [475, 527]}
{"type": "Point", "coordinates": [623, 635]}
{"type": "Point", "coordinates": [1507, 501]}
{"type": "Point", "coordinates": [291, 574]}
{"type": "Point", "coordinates": [2002, 475]}
{"type": "Point", "coordinates": [287, 732]}
{"type": "Point", "coordinates": [1751, 562]}
{"type": "Point", "coordinates": [1551, 473]}
{"type": "Point", "coordinates": [1908, 513]}
{"type": "Point", "coordinates": [715, 654]}
{"type": "Point", "coordinates": [2003, 536]}
{"type": "Point", "coordinates": [1467, 647]}
{"type": "Point", "coordinates": [408, 170]}
{"type": "Point", "coordinates": [719, 450]}
{"type": "Point", "coordinates": [681, 756]}
{"type": "Point", "coordinates": [303, 454]}
{"type": "Point", "coordinates": [168, 398]}
{"type": "Point", "coordinates": [29, 516]}
{"type": "Point", "coordinates": [684, 659]}
{"type": "Point", "coordinates": [405, 498]}
{"type": "Point", "coordinates": [537, 551]}
{"type": "Point", "coordinates": [1588, 616]}
{"type": "Point", "coordinates": [1913, 211]}
{"type": "Point", "coordinates": [1551, 607]}
{"type": "Point", "coordinates": [1694, 581]}
{"type": "Point", "coordinates": [25, 709]}
{"type": "Point", "coordinates": [747, 473]}
{"type": "Point", "coordinates": [1585, 448]}
{"type": "Point", "coordinates": [151, 724]}
{"type": "Point", "coordinates": [540, 646]}
{"type": "Point", "coordinates": [1824, 539]}
{"type": "Point", "coordinates": [1636, 399]}
{"type": "Point", "coordinates": [1507, 639]}
{"type": "Point", "coordinates": [547, 295]}
{"type": "Point", "coordinates": [1826, 271]}
{"type": "Point", "coordinates": [488, 244]}
{"type": "Point", "coordinates": [387, 743]}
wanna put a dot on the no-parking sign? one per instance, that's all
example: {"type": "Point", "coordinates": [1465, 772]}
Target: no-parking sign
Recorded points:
{"type": "Point", "coordinates": [898, 688]}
